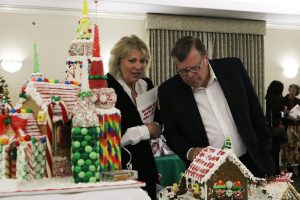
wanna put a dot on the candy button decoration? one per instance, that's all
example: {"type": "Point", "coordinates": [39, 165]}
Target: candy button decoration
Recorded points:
{"type": "Point", "coordinates": [84, 154]}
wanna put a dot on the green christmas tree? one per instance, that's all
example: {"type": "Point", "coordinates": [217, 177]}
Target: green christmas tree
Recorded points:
{"type": "Point", "coordinates": [3, 89]}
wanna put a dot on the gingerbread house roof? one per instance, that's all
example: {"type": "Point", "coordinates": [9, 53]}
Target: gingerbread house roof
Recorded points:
{"type": "Point", "coordinates": [42, 92]}
{"type": "Point", "coordinates": [32, 127]}
{"type": "Point", "coordinates": [209, 161]}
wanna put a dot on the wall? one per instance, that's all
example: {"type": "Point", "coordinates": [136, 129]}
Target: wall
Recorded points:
{"type": "Point", "coordinates": [53, 34]}
{"type": "Point", "coordinates": [280, 43]}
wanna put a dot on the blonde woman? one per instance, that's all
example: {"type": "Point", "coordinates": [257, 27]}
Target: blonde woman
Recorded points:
{"type": "Point", "coordinates": [129, 61]}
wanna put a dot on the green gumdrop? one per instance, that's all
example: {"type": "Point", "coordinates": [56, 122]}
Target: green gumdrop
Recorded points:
{"type": "Point", "coordinates": [98, 130]}
{"type": "Point", "coordinates": [88, 162]}
{"type": "Point", "coordinates": [93, 180]}
{"type": "Point", "coordinates": [87, 138]}
{"type": "Point", "coordinates": [84, 143]}
{"type": "Point", "coordinates": [88, 149]}
{"type": "Point", "coordinates": [76, 155]}
{"type": "Point", "coordinates": [77, 180]}
{"type": "Point", "coordinates": [98, 168]}
{"type": "Point", "coordinates": [97, 175]}
{"type": "Point", "coordinates": [97, 163]}
{"type": "Point", "coordinates": [77, 169]}
{"type": "Point", "coordinates": [76, 144]}
{"type": "Point", "coordinates": [88, 174]}
{"type": "Point", "coordinates": [93, 155]}
{"type": "Point", "coordinates": [33, 140]}
{"type": "Point", "coordinates": [81, 174]}
{"type": "Point", "coordinates": [92, 168]}
{"type": "Point", "coordinates": [80, 162]}
{"type": "Point", "coordinates": [76, 130]}
{"type": "Point", "coordinates": [84, 131]}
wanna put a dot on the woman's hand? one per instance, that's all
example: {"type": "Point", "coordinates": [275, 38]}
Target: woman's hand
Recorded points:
{"type": "Point", "coordinates": [154, 129]}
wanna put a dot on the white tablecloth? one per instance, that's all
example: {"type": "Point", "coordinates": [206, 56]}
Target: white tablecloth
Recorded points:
{"type": "Point", "coordinates": [65, 189]}
{"type": "Point", "coordinates": [119, 194]}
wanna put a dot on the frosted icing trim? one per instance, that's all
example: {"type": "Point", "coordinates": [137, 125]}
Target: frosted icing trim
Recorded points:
{"type": "Point", "coordinates": [101, 111]}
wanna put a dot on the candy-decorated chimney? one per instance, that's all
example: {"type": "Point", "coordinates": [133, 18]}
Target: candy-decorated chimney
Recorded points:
{"type": "Point", "coordinates": [109, 117]}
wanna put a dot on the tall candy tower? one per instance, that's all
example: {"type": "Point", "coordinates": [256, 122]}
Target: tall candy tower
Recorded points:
{"type": "Point", "coordinates": [109, 116]}
{"type": "Point", "coordinates": [81, 48]}
{"type": "Point", "coordinates": [86, 130]}
{"type": "Point", "coordinates": [85, 134]}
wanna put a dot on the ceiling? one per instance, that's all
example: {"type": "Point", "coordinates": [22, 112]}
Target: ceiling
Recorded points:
{"type": "Point", "coordinates": [282, 14]}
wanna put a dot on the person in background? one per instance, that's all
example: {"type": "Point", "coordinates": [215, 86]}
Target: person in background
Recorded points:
{"type": "Point", "coordinates": [274, 107]}
{"type": "Point", "coordinates": [291, 148]}
{"type": "Point", "coordinates": [208, 100]}
{"type": "Point", "coordinates": [130, 58]}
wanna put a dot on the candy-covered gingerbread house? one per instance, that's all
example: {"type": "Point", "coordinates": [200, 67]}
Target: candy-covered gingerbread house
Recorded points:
{"type": "Point", "coordinates": [52, 104]}
{"type": "Point", "coordinates": [219, 174]}
{"type": "Point", "coordinates": [22, 147]}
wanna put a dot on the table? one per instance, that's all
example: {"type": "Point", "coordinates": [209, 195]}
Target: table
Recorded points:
{"type": "Point", "coordinates": [65, 189]}
{"type": "Point", "coordinates": [120, 194]}
{"type": "Point", "coordinates": [169, 167]}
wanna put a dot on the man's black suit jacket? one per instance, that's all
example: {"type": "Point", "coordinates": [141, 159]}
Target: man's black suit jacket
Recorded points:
{"type": "Point", "coordinates": [183, 126]}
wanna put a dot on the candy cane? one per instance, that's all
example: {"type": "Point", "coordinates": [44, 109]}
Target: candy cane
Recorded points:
{"type": "Point", "coordinates": [49, 134]}
{"type": "Point", "coordinates": [30, 161]}
{"type": "Point", "coordinates": [7, 161]}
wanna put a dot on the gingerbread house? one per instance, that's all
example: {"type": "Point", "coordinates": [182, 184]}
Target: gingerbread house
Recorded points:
{"type": "Point", "coordinates": [219, 174]}
{"type": "Point", "coordinates": [52, 104]}
{"type": "Point", "coordinates": [22, 147]}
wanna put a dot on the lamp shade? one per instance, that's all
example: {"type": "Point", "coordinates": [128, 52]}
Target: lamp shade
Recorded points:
{"type": "Point", "coordinates": [11, 65]}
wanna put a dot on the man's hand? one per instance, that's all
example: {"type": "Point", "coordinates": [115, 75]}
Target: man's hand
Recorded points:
{"type": "Point", "coordinates": [154, 129]}
{"type": "Point", "coordinates": [193, 153]}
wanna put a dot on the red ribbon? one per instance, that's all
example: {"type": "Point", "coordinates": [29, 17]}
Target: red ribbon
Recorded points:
{"type": "Point", "coordinates": [16, 123]}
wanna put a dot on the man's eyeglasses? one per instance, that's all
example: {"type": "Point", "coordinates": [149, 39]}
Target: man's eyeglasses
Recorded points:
{"type": "Point", "coordinates": [184, 72]}
{"type": "Point", "coordinates": [192, 69]}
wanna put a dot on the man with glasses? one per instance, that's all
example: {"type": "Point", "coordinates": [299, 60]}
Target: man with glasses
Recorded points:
{"type": "Point", "coordinates": [210, 100]}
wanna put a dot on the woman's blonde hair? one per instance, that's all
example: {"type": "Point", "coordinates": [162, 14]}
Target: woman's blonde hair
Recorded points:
{"type": "Point", "coordinates": [122, 48]}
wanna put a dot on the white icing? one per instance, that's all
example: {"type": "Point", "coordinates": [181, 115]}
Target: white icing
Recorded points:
{"type": "Point", "coordinates": [113, 110]}
{"type": "Point", "coordinates": [96, 59]}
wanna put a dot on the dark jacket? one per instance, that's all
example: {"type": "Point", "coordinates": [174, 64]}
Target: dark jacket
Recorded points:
{"type": "Point", "coordinates": [274, 106]}
{"type": "Point", "coordinates": [142, 156]}
{"type": "Point", "coordinates": [183, 124]}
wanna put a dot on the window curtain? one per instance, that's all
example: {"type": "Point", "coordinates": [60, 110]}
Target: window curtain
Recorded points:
{"type": "Point", "coordinates": [223, 38]}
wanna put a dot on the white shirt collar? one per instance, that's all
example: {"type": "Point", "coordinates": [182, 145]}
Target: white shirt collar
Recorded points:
{"type": "Point", "coordinates": [140, 86]}
{"type": "Point", "coordinates": [212, 78]}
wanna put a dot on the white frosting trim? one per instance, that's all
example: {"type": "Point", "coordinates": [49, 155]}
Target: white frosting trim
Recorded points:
{"type": "Point", "coordinates": [96, 59]}
{"type": "Point", "coordinates": [113, 110]}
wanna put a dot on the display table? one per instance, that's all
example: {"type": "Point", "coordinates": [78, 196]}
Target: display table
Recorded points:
{"type": "Point", "coordinates": [120, 194]}
{"type": "Point", "coordinates": [49, 189]}
{"type": "Point", "coordinates": [170, 168]}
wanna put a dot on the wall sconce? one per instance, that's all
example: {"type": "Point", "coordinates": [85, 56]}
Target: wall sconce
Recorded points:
{"type": "Point", "coordinates": [11, 65]}
{"type": "Point", "coordinates": [290, 67]}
